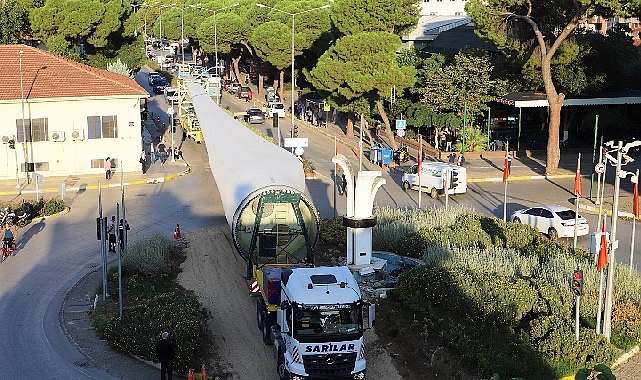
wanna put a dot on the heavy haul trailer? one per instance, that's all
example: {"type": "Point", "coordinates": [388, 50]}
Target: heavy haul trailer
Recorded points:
{"type": "Point", "coordinates": [315, 317]}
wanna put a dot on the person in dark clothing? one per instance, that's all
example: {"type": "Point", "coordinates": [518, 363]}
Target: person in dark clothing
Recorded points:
{"type": "Point", "coordinates": [165, 352]}
{"type": "Point", "coordinates": [121, 233]}
{"type": "Point", "coordinates": [451, 158]}
{"type": "Point", "coordinates": [111, 231]}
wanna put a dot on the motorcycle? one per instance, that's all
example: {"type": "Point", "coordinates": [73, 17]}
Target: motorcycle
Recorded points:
{"type": "Point", "coordinates": [7, 215]}
{"type": "Point", "coordinates": [402, 155]}
{"type": "Point", "coordinates": [8, 248]}
{"type": "Point", "coordinates": [24, 215]}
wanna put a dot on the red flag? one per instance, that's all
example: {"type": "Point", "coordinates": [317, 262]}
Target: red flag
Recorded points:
{"type": "Point", "coordinates": [506, 167]}
{"type": "Point", "coordinates": [635, 199]}
{"type": "Point", "coordinates": [603, 252]}
{"type": "Point", "coordinates": [577, 179]}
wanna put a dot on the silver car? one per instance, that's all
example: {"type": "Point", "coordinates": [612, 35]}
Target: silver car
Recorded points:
{"type": "Point", "coordinates": [555, 221]}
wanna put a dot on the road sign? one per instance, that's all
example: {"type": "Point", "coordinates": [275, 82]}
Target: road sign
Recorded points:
{"type": "Point", "coordinates": [326, 107]}
{"type": "Point", "coordinates": [293, 142]}
{"type": "Point", "coordinates": [400, 124]}
{"type": "Point", "coordinates": [400, 132]}
{"type": "Point", "coordinates": [599, 168]}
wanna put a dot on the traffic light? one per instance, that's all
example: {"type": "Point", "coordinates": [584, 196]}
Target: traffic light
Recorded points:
{"type": "Point", "coordinates": [453, 178]}
{"type": "Point", "coordinates": [577, 282]}
{"type": "Point", "coordinates": [295, 131]}
{"type": "Point", "coordinates": [12, 144]}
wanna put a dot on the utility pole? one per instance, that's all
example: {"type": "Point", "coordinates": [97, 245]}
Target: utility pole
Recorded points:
{"type": "Point", "coordinates": [607, 320]}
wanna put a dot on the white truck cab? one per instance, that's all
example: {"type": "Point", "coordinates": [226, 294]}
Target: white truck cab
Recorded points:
{"type": "Point", "coordinates": [436, 177]}
{"type": "Point", "coordinates": [318, 331]}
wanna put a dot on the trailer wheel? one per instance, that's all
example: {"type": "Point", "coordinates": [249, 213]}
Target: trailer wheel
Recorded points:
{"type": "Point", "coordinates": [283, 373]}
{"type": "Point", "coordinates": [267, 327]}
{"type": "Point", "coordinates": [434, 193]}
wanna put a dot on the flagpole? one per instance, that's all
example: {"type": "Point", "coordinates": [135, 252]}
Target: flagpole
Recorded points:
{"type": "Point", "coordinates": [506, 174]}
{"type": "Point", "coordinates": [605, 169]}
{"type": "Point", "coordinates": [603, 246]}
{"type": "Point", "coordinates": [335, 176]}
{"type": "Point", "coordinates": [418, 168]}
{"type": "Point", "coordinates": [577, 193]}
{"type": "Point", "coordinates": [635, 212]}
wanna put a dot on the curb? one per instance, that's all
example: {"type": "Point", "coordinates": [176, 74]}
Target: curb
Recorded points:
{"type": "Point", "coordinates": [154, 180]}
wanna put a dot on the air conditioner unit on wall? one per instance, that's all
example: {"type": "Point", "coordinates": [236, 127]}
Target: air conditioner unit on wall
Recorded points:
{"type": "Point", "coordinates": [77, 134]}
{"type": "Point", "coordinates": [57, 136]}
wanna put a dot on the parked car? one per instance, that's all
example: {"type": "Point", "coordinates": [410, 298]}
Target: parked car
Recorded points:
{"type": "Point", "coordinates": [555, 221]}
{"type": "Point", "coordinates": [171, 94]}
{"type": "Point", "coordinates": [255, 116]}
{"type": "Point", "coordinates": [275, 108]}
{"type": "Point", "coordinates": [159, 84]}
{"type": "Point", "coordinates": [151, 76]}
{"type": "Point", "coordinates": [245, 93]}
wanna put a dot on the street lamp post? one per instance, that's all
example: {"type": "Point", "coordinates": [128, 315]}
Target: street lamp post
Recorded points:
{"type": "Point", "coordinates": [24, 132]}
{"type": "Point", "coordinates": [214, 11]}
{"type": "Point", "coordinates": [291, 132]}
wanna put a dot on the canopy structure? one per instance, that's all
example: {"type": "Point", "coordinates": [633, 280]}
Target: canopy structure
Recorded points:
{"type": "Point", "coordinates": [538, 99]}
{"type": "Point", "coordinates": [261, 187]}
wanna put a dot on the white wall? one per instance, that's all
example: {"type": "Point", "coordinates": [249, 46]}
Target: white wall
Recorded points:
{"type": "Point", "coordinates": [64, 115]}
{"type": "Point", "coordinates": [443, 7]}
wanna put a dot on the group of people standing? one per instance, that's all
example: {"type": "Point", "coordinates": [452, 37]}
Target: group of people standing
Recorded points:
{"type": "Point", "coordinates": [443, 139]}
{"type": "Point", "coordinates": [111, 230]}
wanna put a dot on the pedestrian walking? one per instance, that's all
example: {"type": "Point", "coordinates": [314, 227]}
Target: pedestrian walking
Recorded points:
{"type": "Point", "coordinates": [108, 168]}
{"type": "Point", "coordinates": [152, 153]}
{"type": "Point", "coordinates": [143, 161]}
{"type": "Point", "coordinates": [111, 231]}
{"type": "Point", "coordinates": [162, 152]}
{"type": "Point", "coordinates": [165, 353]}
{"type": "Point", "coordinates": [461, 160]}
{"type": "Point", "coordinates": [451, 158]}
{"type": "Point", "coordinates": [448, 141]}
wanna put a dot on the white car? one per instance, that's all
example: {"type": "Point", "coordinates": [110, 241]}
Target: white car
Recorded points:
{"type": "Point", "coordinates": [555, 221]}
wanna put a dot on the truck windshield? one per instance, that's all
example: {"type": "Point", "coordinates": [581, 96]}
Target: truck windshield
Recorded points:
{"type": "Point", "coordinates": [319, 321]}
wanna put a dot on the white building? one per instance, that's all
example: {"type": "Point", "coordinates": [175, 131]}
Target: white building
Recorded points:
{"type": "Point", "coordinates": [437, 16]}
{"type": "Point", "coordinates": [64, 117]}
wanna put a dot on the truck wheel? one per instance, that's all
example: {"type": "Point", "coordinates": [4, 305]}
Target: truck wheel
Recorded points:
{"type": "Point", "coordinates": [259, 313]}
{"type": "Point", "coordinates": [434, 193]}
{"type": "Point", "coordinates": [283, 373]}
{"type": "Point", "coordinates": [267, 328]}
{"type": "Point", "coordinates": [406, 185]}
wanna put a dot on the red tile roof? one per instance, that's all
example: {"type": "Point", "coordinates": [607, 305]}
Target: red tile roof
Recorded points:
{"type": "Point", "coordinates": [46, 75]}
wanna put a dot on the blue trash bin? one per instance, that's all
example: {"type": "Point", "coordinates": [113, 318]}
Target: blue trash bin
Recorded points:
{"type": "Point", "coordinates": [386, 156]}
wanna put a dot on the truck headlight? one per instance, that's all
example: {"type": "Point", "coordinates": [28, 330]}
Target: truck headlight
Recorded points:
{"type": "Point", "coordinates": [359, 376]}
{"type": "Point", "coordinates": [297, 377]}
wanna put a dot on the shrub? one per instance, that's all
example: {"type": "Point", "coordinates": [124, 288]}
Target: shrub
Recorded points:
{"type": "Point", "coordinates": [150, 256]}
{"type": "Point", "coordinates": [154, 303]}
{"type": "Point", "coordinates": [332, 231]}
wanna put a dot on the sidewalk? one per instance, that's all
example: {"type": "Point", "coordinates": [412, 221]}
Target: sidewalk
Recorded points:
{"type": "Point", "coordinates": [156, 173]}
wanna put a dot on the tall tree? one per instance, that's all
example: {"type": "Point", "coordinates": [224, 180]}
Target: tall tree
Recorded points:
{"type": "Point", "coordinates": [66, 24]}
{"type": "Point", "coordinates": [523, 27]}
{"type": "Point", "coordinates": [14, 22]}
{"type": "Point", "coordinates": [363, 66]}
{"type": "Point", "coordinates": [272, 41]}
{"type": "Point", "coordinates": [356, 16]}
{"type": "Point", "coordinates": [463, 85]}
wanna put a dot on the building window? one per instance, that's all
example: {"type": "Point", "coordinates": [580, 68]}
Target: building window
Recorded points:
{"type": "Point", "coordinates": [39, 130]}
{"type": "Point", "coordinates": [102, 127]}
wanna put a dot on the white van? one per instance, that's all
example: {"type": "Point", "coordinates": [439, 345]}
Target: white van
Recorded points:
{"type": "Point", "coordinates": [275, 108]}
{"type": "Point", "coordinates": [434, 175]}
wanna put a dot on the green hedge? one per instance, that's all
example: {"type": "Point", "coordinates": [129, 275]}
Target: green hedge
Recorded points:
{"type": "Point", "coordinates": [153, 303]}
{"type": "Point", "coordinates": [499, 294]}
